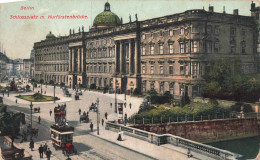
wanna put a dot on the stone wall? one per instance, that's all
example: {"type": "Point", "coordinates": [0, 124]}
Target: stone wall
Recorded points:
{"type": "Point", "coordinates": [207, 131]}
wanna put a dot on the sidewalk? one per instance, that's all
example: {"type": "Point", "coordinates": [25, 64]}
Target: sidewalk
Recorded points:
{"type": "Point", "coordinates": [143, 147]}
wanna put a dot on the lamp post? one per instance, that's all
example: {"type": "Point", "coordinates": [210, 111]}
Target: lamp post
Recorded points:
{"type": "Point", "coordinates": [78, 84]}
{"type": "Point", "coordinates": [54, 93]}
{"type": "Point", "coordinates": [31, 105]}
{"type": "Point", "coordinates": [116, 84]}
{"type": "Point", "coordinates": [97, 116]}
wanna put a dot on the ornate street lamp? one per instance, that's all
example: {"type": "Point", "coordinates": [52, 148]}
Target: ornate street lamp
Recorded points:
{"type": "Point", "coordinates": [97, 116]}
{"type": "Point", "coordinates": [31, 105]}
{"type": "Point", "coordinates": [54, 92]}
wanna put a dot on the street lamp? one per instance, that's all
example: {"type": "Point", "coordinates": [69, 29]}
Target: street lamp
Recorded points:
{"type": "Point", "coordinates": [54, 92]}
{"type": "Point", "coordinates": [31, 105]}
{"type": "Point", "coordinates": [78, 84]}
{"type": "Point", "coordinates": [97, 116]}
{"type": "Point", "coordinates": [116, 84]}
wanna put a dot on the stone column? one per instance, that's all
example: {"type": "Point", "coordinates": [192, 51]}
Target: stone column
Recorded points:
{"type": "Point", "coordinates": [116, 58]}
{"type": "Point", "coordinates": [130, 57]}
{"type": "Point", "coordinates": [121, 57]}
{"type": "Point", "coordinates": [79, 62]}
{"type": "Point", "coordinates": [136, 57]}
{"type": "Point", "coordinates": [72, 59]}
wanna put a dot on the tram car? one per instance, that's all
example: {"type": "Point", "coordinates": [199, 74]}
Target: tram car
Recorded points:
{"type": "Point", "coordinates": [62, 138]}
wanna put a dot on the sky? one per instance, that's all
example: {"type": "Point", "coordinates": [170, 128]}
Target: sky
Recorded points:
{"type": "Point", "coordinates": [18, 35]}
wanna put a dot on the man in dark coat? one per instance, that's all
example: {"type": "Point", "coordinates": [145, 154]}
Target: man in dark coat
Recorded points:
{"type": "Point", "coordinates": [48, 154]}
{"type": "Point", "coordinates": [91, 126]}
{"type": "Point", "coordinates": [39, 120]}
{"type": "Point", "coordinates": [106, 115]}
{"type": "Point", "coordinates": [102, 121]}
{"type": "Point", "coordinates": [31, 144]}
{"type": "Point", "coordinates": [45, 148]}
{"type": "Point", "coordinates": [50, 112]}
{"type": "Point", "coordinates": [41, 151]}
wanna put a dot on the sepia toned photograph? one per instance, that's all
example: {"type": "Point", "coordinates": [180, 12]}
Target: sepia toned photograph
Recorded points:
{"type": "Point", "coordinates": [129, 80]}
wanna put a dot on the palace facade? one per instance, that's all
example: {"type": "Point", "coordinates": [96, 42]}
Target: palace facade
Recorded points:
{"type": "Point", "coordinates": [169, 53]}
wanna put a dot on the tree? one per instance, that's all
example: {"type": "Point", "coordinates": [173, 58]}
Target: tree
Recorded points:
{"type": "Point", "coordinates": [27, 88]}
{"type": "Point", "coordinates": [41, 81]}
{"type": "Point", "coordinates": [137, 91]}
{"type": "Point", "coordinates": [51, 82]}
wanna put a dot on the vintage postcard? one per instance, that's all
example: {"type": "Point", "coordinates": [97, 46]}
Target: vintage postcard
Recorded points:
{"type": "Point", "coordinates": [130, 80]}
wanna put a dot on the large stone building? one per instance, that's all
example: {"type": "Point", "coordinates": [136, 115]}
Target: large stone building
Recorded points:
{"type": "Point", "coordinates": [167, 53]}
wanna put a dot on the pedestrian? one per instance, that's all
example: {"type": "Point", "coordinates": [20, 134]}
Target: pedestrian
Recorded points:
{"type": "Point", "coordinates": [91, 126]}
{"type": "Point", "coordinates": [130, 105]}
{"type": "Point", "coordinates": [189, 153]}
{"type": "Point", "coordinates": [44, 92]}
{"type": "Point", "coordinates": [16, 101]}
{"type": "Point", "coordinates": [106, 115]}
{"type": "Point", "coordinates": [41, 151]}
{"type": "Point", "coordinates": [31, 144]}
{"type": "Point", "coordinates": [50, 112]}
{"type": "Point", "coordinates": [125, 104]}
{"type": "Point", "coordinates": [48, 154]}
{"type": "Point", "coordinates": [68, 157]}
{"type": "Point", "coordinates": [45, 148]}
{"type": "Point", "coordinates": [39, 120]}
{"type": "Point", "coordinates": [102, 121]}
{"type": "Point", "coordinates": [79, 111]}
{"type": "Point", "coordinates": [111, 105]}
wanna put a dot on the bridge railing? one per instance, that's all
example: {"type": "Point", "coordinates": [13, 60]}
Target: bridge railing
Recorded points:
{"type": "Point", "coordinates": [174, 140]}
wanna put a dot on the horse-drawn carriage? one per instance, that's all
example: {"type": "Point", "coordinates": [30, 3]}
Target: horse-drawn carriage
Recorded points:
{"type": "Point", "coordinates": [93, 107]}
{"type": "Point", "coordinates": [84, 118]}
{"type": "Point", "coordinates": [62, 138]}
{"type": "Point", "coordinates": [31, 131]}
{"type": "Point", "coordinates": [37, 110]}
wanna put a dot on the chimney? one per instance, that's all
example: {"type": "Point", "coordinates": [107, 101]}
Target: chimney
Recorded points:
{"type": "Point", "coordinates": [211, 8]}
{"type": "Point", "coordinates": [235, 11]}
{"type": "Point", "coordinates": [252, 5]}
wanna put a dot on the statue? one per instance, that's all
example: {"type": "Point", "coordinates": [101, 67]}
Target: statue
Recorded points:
{"type": "Point", "coordinates": [82, 28]}
{"type": "Point", "coordinates": [73, 31]}
{"type": "Point", "coordinates": [130, 18]}
{"type": "Point", "coordinates": [121, 20]}
{"type": "Point", "coordinates": [70, 31]}
{"type": "Point", "coordinates": [79, 29]}
{"type": "Point", "coordinates": [136, 18]}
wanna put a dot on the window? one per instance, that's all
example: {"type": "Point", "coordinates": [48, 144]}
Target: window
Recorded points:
{"type": "Point", "coordinates": [171, 32]}
{"type": "Point", "coordinates": [170, 69]}
{"type": "Point", "coordinates": [152, 49]}
{"type": "Point", "coordinates": [152, 70]}
{"type": "Point", "coordinates": [216, 30]}
{"type": "Point", "coordinates": [87, 68]}
{"type": "Point", "coordinates": [182, 70]}
{"type": "Point", "coordinates": [161, 69]}
{"type": "Point", "coordinates": [171, 48]}
{"type": "Point", "coordinates": [209, 29]}
{"type": "Point", "coordinates": [161, 48]}
{"type": "Point", "coordinates": [182, 47]}
{"type": "Point", "coordinates": [195, 91]}
{"type": "Point", "coordinates": [182, 90]}
{"type": "Point", "coordinates": [243, 32]}
{"type": "Point", "coordinates": [143, 36]}
{"type": "Point", "coordinates": [110, 69]}
{"type": "Point", "coordinates": [143, 50]}
{"type": "Point", "coordinates": [195, 46]}
{"type": "Point", "coordinates": [243, 45]}
{"type": "Point", "coordinates": [152, 86]}
{"type": "Point", "coordinates": [209, 46]}
{"type": "Point", "coordinates": [233, 49]}
{"type": "Point", "coordinates": [161, 87]}
{"type": "Point", "coordinates": [171, 88]}
{"type": "Point", "coordinates": [109, 52]}
{"type": "Point", "coordinates": [105, 69]}
{"type": "Point", "coordinates": [194, 68]}
{"type": "Point", "coordinates": [182, 30]}
{"type": "Point", "coordinates": [216, 46]}
{"type": "Point", "coordinates": [232, 31]}
{"type": "Point", "coordinates": [143, 69]}
{"type": "Point", "coordinates": [99, 68]}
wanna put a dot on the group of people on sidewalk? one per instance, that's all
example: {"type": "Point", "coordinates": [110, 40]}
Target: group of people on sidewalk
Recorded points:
{"type": "Point", "coordinates": [42, 149]}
